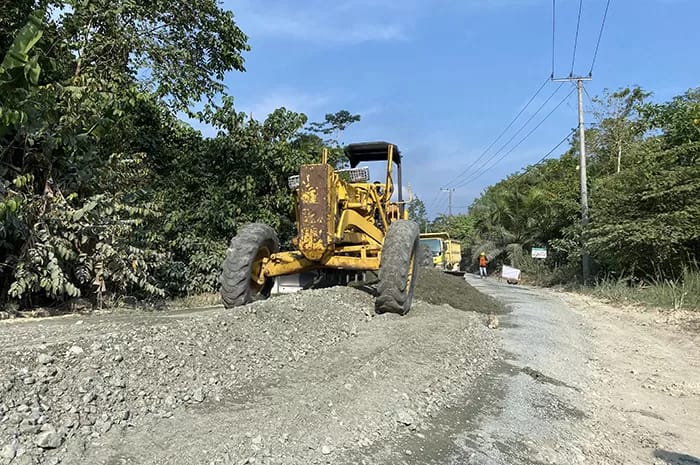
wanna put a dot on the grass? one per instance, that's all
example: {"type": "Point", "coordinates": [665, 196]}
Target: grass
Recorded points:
{"type": "Point", "coordinates": [682, 293]}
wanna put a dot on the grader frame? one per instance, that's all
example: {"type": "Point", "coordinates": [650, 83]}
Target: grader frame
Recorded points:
{"type": "Point", "coordinates": [337, 220]}
{"type": "Point", "coordinates": [342, 225]}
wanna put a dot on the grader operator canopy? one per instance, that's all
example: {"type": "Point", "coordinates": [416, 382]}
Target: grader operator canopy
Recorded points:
{"type": "Point", "coordinates": [371, 151]}
{"type": "Point", "coordinates": [378, 151]}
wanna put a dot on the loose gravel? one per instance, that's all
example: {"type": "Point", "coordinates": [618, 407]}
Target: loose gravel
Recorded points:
{"type": "Point", "coordinates": [297, 379]}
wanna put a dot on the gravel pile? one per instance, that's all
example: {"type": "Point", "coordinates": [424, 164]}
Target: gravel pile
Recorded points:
{"type": "Point", "coordinates": [300, 378]}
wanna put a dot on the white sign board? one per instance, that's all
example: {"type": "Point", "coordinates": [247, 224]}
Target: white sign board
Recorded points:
{"type": "Point", "coordinates": [539, 252]}
{"type": "Point", "coordinates": [510, 273]}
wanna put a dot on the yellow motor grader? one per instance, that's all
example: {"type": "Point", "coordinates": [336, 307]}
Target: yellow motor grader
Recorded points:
{"type": "Point", "coordinates": [345, 224]}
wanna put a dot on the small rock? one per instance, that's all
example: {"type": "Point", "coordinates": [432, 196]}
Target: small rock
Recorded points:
{"type": "Point", "coordinates": [103, 426]}
{"type": "Point", "coordinates": [29, 380]}
{"type": "Point", "coordinates": [119, 382]}
{"type": "Point", "coordinates": [9, 451]}
{"type": "Point", "coordinates": [326, 449]}
{"type": "Point", "coordinates": [198, 395]}
{"type": "Point", "coordinates": [118, 358]}
{"type": "Point", "coordinates": [48, 440]}
{"type": "Point", "coordinates": [257, 440]}
{"type": "Point", "coordinates": [75, 350]}
{"type": "Point", "coordinates": [406, 416]}
{"type": "Point", "coordinates": [68, 422]}
{"type": "Point", "coordinates": [408, 452]}
{"type": "Point", "coordinates": [493, 322]}
{"type": "Point", "coordinates": [28, 426]}
{"type": "Point", "coordinates": [148, 350]}
{"type": "Point", "coordinates": [44, 359]}
{"type": "Point", "coordinates": [89, 397]}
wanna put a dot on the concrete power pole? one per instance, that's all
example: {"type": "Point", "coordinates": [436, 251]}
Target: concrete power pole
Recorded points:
{"type": "Point", "coordinates": [585, 258]}
{"type": "Point", "coordinates": [449, 201]}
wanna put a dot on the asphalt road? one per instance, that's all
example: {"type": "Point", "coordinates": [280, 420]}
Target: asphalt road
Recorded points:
{"type": "Point", "coordinates": [576, 382]}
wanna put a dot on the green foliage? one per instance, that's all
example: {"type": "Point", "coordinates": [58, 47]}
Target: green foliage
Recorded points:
{"type": "Point", "coordinates": [417, 212]}
{"type": "Point", "coordinates": [644, 196]}
{"type": "Point", "coordinates": [331, 127]}
{"type": "Point", "coordinates": [103, 191]}
{"type": "Point", "coordinates": [650, 212]}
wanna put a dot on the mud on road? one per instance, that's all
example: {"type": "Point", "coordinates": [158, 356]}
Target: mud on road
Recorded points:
{"type": "Point", "coordinates": [313, 377]}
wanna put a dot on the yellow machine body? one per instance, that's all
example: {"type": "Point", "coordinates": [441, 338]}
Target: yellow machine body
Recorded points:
{"type": "Point", "coordinates": [341, 224]}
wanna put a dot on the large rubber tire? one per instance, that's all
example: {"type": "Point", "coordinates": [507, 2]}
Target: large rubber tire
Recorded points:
{"type": "Point", "coordinates": [253, 242]}
{"type": "Point", "coordinates": [398, 268]}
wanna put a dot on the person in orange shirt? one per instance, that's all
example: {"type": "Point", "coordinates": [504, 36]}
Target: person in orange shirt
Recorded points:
{"type": "Point", "coordinates": [483, 263]}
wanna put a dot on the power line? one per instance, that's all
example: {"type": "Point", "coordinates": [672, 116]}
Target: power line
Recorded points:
{"type": "Point", "coordinates": [485, 169]}
{"type": "Point", "coordinates": [590, 99]}
{"type": "Point", "coordinates": [434, 202]}
{"type": "Point", "coordinates": [466, 170]}
{"type": "Point", "coordinates": [522, 127]}
{"type": "Point", "coordinates": [547, 154]}
{"type": "Point", "coordinates": [600, 36]}
{"type": "Point", "coordinates": [578, 24]}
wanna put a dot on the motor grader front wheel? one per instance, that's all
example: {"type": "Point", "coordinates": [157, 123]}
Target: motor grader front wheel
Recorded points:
{"type": "Point", "coordinates": [244, 259]}
{"type": "Point", "coordinates": [398, 268]}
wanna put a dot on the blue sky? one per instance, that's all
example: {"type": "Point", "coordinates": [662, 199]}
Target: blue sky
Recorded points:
{"type": "Point", "coordinates": [442, 78]}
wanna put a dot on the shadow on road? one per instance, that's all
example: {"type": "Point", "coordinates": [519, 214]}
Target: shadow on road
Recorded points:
{"type": "Point", "coordinates": [674, 458]}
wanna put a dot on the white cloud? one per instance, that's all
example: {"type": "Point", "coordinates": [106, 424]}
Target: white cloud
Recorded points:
{"type": "Point", "coordinates": [339, 22]}
{"type": "Point", "coordinates": [345, 21]}
{"type": "Point", "coordinates": [290, 99]}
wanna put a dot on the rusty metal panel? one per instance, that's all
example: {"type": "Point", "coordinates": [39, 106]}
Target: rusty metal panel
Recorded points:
{"type": "Point", "coordinates": [316, 210]}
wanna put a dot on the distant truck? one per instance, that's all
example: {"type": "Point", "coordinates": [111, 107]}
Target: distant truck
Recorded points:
{"type": "Point", "coordinates": [446, 252]}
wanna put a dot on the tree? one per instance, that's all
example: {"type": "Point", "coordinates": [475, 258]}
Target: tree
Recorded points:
{"type": "Point", "coordinates": [103, 191]}
{"type": "Point", "coordinates": [177, 49]}
{"type": "Point", "coordinates": [333, 125]}
{"type": "Point", "coordinates": [74, 174]}
{"type": "Point", "coordinates": [643, 217]}
{"type": "Point", "coordinates": [618, 125]}
{"type": "Point", "coordinates": [417, 212]}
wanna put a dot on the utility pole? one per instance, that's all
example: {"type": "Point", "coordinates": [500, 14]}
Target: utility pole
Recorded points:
{"type": "Point", "coordinates": [449, 193]}
{"type": "Point", "coordinates": [585, 259]}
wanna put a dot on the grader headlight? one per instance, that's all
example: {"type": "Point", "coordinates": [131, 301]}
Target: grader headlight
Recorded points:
{"type": "Point", "coordinates": [293, 182]}
{"type": "Point", "coordinates": [360, 174]}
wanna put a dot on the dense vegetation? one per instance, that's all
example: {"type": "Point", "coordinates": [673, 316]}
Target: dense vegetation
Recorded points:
{"type": "Point", "coordinates": [644, 196]}
{"type": "Point", "coordinates": [104, 192]}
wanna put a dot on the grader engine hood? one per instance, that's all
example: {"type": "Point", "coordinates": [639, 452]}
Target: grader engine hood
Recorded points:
{"type": "Point", "coordinates": [317, 211]}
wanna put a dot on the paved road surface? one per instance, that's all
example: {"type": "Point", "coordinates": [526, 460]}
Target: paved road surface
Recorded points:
{"type": "Point", "coordinates": [578, 382]}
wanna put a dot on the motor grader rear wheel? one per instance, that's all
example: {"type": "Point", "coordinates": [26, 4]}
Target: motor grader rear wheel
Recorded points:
{"type": "Point", "coordinates": [398, 268]}
{"type": "Point", "coordinates": [244, 259]}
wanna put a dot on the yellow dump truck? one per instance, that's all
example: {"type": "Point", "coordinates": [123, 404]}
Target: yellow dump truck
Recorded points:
{"type": "Point", "coordinates": [446, 252]}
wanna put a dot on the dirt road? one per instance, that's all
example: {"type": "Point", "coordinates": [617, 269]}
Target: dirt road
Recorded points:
{"type": "Point", "coordinates": [580, 383]}
{"type": "Point", "coordinates": [316, 377]}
